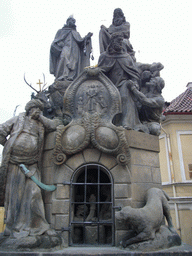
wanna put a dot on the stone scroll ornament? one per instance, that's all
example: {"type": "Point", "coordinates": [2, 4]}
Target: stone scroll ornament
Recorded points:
{"type": "Point", "coordinates": [91, 101]}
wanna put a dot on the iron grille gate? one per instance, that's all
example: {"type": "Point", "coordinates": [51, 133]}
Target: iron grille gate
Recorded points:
{"type": "Point", "coordinates": [91, 207]}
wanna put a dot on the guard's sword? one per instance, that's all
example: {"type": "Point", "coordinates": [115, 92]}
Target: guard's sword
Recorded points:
{"type": "Point", "coordinates": [40, 184]}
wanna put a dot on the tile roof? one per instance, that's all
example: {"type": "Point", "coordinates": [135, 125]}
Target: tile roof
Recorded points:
{"type": "Point", "coordinates": [181, 104]}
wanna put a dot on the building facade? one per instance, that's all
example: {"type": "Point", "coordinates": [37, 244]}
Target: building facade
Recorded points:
{"type": "Point", "coordinates": [176, 161]}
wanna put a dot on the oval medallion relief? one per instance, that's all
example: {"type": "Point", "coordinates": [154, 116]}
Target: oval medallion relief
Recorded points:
{"type": "Point", "coordinates": [106, 137]}
{"type": "Point", "coordinates": [73, 137]}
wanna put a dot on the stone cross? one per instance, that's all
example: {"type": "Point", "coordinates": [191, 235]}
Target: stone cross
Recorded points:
{"type": "Point", "coordinates": [39, 83]}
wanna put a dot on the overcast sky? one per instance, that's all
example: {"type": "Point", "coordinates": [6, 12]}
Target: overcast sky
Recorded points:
{"type": "Point", "coordinates": [160, 32]}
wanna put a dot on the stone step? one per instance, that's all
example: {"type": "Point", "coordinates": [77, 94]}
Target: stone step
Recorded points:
{"type": "Point", "coordinates": [101, 251]}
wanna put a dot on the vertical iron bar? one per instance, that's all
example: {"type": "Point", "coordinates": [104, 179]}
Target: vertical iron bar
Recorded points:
{"type": "Point", "coordinates": [98, 201]}
{"type": "Point", "coordinates": [85, 200]}
{"type": "Point", "coordinates": [99, 185]}
{"type": "Point", "coordinates": [112, 212]}
{"type": "Point", "coordinates": [70, 209]}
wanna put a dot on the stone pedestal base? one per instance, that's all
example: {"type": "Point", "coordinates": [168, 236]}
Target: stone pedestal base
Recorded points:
{"type": "Point", "coordinates": [184, 250]}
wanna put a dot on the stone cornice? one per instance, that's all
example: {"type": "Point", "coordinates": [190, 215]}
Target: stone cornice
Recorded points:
{"type": "Point", "coordinates": [170, 119]}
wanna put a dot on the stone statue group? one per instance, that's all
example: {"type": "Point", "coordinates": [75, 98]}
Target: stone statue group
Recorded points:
{"type": "Point", "coordinates": [139, 86]}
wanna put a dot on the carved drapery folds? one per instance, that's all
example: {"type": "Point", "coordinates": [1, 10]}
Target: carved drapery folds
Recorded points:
{"type": "Point", "coordinates": [91, 101]}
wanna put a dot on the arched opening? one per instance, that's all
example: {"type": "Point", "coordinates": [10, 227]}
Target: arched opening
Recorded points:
{"type": "Point", "coordinates": [91, 206]}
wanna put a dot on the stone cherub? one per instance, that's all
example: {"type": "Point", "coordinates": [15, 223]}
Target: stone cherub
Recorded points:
{"type": "Point", "coordinates": [24, 208]}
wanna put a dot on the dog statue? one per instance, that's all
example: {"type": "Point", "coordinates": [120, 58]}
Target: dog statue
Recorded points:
{"type": "Point", "coordinates": [146, 221]}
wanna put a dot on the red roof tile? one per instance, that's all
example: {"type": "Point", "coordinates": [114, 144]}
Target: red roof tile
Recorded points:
{"type": "Point", "coordinates": [181, 104]}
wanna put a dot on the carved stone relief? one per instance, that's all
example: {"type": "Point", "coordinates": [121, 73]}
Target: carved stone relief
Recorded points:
{"type": "Point", "coordinates": [91, 101]}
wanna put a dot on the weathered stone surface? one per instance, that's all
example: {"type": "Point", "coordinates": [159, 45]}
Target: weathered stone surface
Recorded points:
{"type": "Point", "coordinates": [137, 204]}
{"type": "Point", "coordinates": [48, 196]}
{"type": "Point", "coordinates": [22, 245]}
{"type": "Point", "coordinates": [183, 250]}
{"type": "Point", "coordinates": [48, 177]}
{"type": "Point", "coordinates": [120, 68]}
{"type": "Point", "coordinates": [141, 174]}
{"type": "Point", "coordinates": [119, 234]}
{"type": "Point", "coordinates": [142, 140]}
{"type": "Point", "coordinates": [62, 191]}
{"type": "Point", "coordinates": [50, 141]}
{"type": "Point", "coordinates": [73, 137]}
{"type": "Point", "coordinates": [147, 221]}
{"type": "Point", "coordinates": [139, 190]}
{"type": "Point", "coordinates": [61, 221]}
{"type": "Point", "coordinates": [53, 221]}
{"type": "Point", "coordinates": [48, 158]}
{"type": "Point", "coordinates": [122, 190]}
{"type": "Point", "coordinates": [65, 238]}
{"type": "Point", "coordinates": [108, 161]}
{"type": "Point", "coordinates": [164, 238]}
{"type": "Point", "coordinates": [91, 155]}
{"type": "Point", "coordinates": [121, 174]}
{"type": "Point", "coordinates": [26, 147]}
{"type": "Point", "coordinates": [130, 185]}
{"type": "Point", "coordinates": [93, 99]}
{"type": "Point", "coordinates": [60, 206]}
{"type": "Point", "coordinates": [156, 174]}
{"type": "Point", "coordinates": [144, 157]}
{"type": "Point", "coordinates": [122, 202]}
{"type": "Point", "coordinates": [62, 174]}
{"type": "Point", "coordinates": [68, 38]}
{"type": "Point", "coordinates": [48, 212]}
{"type": "Point", "coordinates": [121, 225]}
{"type": "Point", "coordinates": [75, 161]}
{"type": "Point", "coordinates": [106, 137]}
{"type": "Point", "coordinates": [150, 97]}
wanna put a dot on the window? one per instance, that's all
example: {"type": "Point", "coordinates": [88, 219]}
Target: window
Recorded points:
{"type": "Point", "coordinates": [190, 171]}
{"type": "Point", "coordinates": [91, 209]}
{"type": "Point", "coordinates": [184, 139]}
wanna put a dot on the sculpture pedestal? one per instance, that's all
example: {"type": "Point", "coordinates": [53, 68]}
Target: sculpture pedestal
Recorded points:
{"type": "Point", "coordinates": [184, 250]}
{"type": "Point", "coordinates": [130, 183]}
